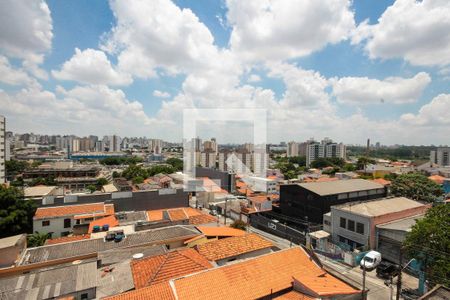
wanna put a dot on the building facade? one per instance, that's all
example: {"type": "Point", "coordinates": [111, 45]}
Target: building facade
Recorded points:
{"type": "Point", "coordinates": [440, 157]}
{"type": "Point", "coordinates": [310, 201]}
{"type": "Point", "coordinates": [2, 150]}
{"type": "Point", "coordinates": [292, 149]}
{"type": "Point", "coordinates": [325, 149]}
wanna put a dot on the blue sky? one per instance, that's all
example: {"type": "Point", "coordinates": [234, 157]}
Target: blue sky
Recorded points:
{"type": "Point", "coordinates": [348, 72]}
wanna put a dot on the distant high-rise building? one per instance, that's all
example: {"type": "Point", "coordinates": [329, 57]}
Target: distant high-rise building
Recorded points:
{"type": "Point", "coordinates": [156, 146]}
{"type": "Point", "coordinates": [292, 149]}
{"type": "Point", "coordinates": [440, 157]}
{"type": "Point", "coordinates": [75, 145]}
{"type": "Point", "coordinates": [2, 149]}
{"type": "Point", "coordinates": [197, 144]}
{"type": "Point", "coordinates": [249, 147]}
{"type": "Point", "coordinates": [325, 149]}
{"type": "Point", "coordinates": [208, 158]}
{"type": "Point", "coordinates": [223, 156]}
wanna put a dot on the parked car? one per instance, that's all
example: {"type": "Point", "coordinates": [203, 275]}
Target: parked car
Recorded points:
{"type": "Point", "coordinates": [371, 260]}
{"type": "Point", "coordinates": [213, 212]}
{"type": "Point", "coordinates": [386, 270]}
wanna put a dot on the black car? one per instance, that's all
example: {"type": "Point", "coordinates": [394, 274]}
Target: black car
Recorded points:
{"type": "Point", "coordinates": [386, 270]}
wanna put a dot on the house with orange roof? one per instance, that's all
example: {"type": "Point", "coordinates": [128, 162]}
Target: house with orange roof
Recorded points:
{"type": "Point", "coordinates": [211, 233]}
{"type": "Point", "coordinates": [67, 239]}
{"type": "Point", "coordinates": [234, 248]}
{"type": "Point", "coordinates": [161, 268]}
{"type": "Point", "coordinates": [260, 202]}
{"type": "Point", "coordinates": [60, 221]}
{"type": "Point", "coordinates": [287, 274]}
{"type": "Point", "coordinates": [181, 215]}
{"type": "Point", "coordinates": [382, 181]}
{"type": "Point", "coordinates": [437, 178]}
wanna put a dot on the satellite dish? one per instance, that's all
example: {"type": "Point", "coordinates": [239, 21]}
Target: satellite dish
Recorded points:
{"type": "Point", "coordinates": [138, 255]}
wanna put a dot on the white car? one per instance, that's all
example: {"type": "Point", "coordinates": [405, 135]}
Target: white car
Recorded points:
{"type": "Point", "coordinates": [371, 260]}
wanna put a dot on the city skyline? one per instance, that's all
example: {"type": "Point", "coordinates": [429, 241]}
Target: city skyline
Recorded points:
{"type": "Point", "coordinates": [114, 67]}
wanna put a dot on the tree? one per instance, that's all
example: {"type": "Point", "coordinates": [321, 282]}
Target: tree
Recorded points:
{"type": "Point", "coordinates": [14, 167]}
{"type": "Point", "coordinates": [239, 224]}
{"type": "Point", "coordinates": [101, 182]}
{"type": "Point", "coordinates": [321, 163]}
{"type": "Point", "coordinates": [429, 243]}
{"type": "Point", "coordinates": [36, 239]}
{"type": "Point", "coordinates": [134, 171]}
{"type": "Point", "coordinates": [363, 162]}
{"type": "Point", "coordinates": [16, 214]}
{"type": "Point", "coordinates": [138, 180]}
{"type": "Point", "coordinates": [417, 187]}
{"type": "Point", "coordinates": [115, 174]}
{"type": "Point", "coordinates": [176, 163]}
{"type": "Point", "coordinates": [92, 188]}
{"type": "Point", "coordinates": [349, 167]}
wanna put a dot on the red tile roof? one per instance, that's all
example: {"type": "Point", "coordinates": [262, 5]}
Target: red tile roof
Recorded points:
{"type": "Point", "coordinates": [177, 214]}
{"type": "Point", "coordinates": [160, 291]}
{"type": "Point", "coordinates": [220, 231]}
{"type": "Point", "coordinates": [232, 246]}
{"type": "Point", "coordinates": [382, 181]}
{"type": "Point", "coordinates": [202, 219]}
{"type": "Point", "coordinates": [109, 220]}
{"type": "Point", "coordinates": [92, 209]}
{"type": "Point", "coordinates": [258, 277]}
{"type": "Point", "coordinates": [67, 239]}
{"type": "Point", "coordinates": [437, 178]}
{"type": "Point", "coordinates": [195, 216]}
{"type": "Point", "coordinates": [294, 295]}
{"type": "Point", "coordinates": [161, 268]}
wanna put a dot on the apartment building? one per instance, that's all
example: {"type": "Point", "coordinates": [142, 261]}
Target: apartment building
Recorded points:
{"type": "Point", "coordinates": [2, 149]}
{"type": "Point", "coordinates": [440, 157]}
{"type": "Point", "coordinates": [325, 149]}
{"type": "Point", "coordinates": [223, 157]}
{"type": "Point", "coordinates": [292, 149]}
{"type": "Point", "coordinates": [208, 158]}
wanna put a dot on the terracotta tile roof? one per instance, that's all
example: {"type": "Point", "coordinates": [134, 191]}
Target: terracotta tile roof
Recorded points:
{"type": "Point", "coordinates": [256, 278]}
{"type": "Point", "coordinates": [177, 214]}
{"type": "Point", "coordinates": [259, 198]}
{"type": "Point", "coordinates": [437, 178]}
{"type": "Point", "coordinates": [155, 215]}
{"type": "Point", "coordinates": [109, 220]}
{"type": "Point", "coordinates": [160, 291]}
{"type": "Point", "coordinates": [294, 295]}
{"type": "Point", "coordinates": [326, 179]}
{"type": "Point", "coordinates": [382, 181]}
{"type": "Point", "coordinates": [232, 246]}
{"type": "Point", "coordinates": [161, 268]}
{"type": "Point", "coordinates": [220, 231]}
{"type": "Point", "coordinates": [67, 239]}
{"type": "Point", "coordinates": [202, 219]}
{"type": "Point", "coordinates": [72, 210]}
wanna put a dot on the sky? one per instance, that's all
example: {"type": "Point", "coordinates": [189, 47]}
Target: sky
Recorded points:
{"type": "Point", "coordinates": [348, 70]}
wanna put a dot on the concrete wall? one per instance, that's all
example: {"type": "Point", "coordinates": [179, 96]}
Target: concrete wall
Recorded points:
{"type": "Point", "coordinates": [56, 226]}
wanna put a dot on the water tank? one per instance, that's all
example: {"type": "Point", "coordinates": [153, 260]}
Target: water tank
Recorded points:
{"type": "Point", "coordinates": [138, 255]}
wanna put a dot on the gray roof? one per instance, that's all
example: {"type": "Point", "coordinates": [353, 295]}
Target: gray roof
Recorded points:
{"type": "Point", "coordinates": [93, 246]}
{"type": "Point", "coordinates": [340, 186]}
{"type": "Point", "coordinates": [131, 217]}
{"type": "Point", "coordinates": [379, 207]}
{"type": "Point", "coordinates": [119, 279]}
{"type": "Point", "coordinates": [50, 283]}
{"type": "Point", "coordinates": [10, 241]}
{"type": "Point", "coordinates": [117, 255]}
{"type": "Point", "coordinates": [402, 224]}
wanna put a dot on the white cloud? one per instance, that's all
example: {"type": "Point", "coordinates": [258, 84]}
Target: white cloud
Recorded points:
{"type": "Point", "coordinates": [417, 31]}
{"type": "Point", "coordinates": [161, 94]}
{"type": "Point", "coordinates": [254, 78]}
{"type": "Point", "coordinates": [26, 29]}
{"type": "Point", "coordinates": [281, 29]}
{"type": "Point", "coordinates": [433, 114]}
{"type": "Point", "coordinates": [158, 34]}
{"type": "Point", "coordinates": [392, 90]}
{"type": "Point", "coordinates": [13, 76]}
{"type": "Point", "coordinates": [82, 110]}
{"type": "Point", "coordinates": [91, 67]}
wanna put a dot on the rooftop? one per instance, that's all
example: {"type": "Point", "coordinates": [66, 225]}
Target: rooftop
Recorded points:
{"type": "Point", "coordinates": [161, 268]}
{"type": "Point", "coordinates": [113, 256]}
{"type": "Point", "coordinates": [51, 282]}
{"type": "Point", "coordinates": [11, 241]}
{"type": "Point", "coordinates": [402, 224]}
{"type": "Point", "coordinates": [96, 209]}
{"type": "Point", "coordinates": [340, 186]}
{"type": "Point", "coordinates": [111, 221]}
{"type": "Point", "coordinates": [380, 207]}
{"type": "Point", "coordinates": [220, 231]}
{"type": "Point", "coordinates": [254, 278]}
{"type": "Point", "coordinates": [67, 239]}
{"type": "Point", "coordinates": [38, 191]}
{"type": "Point", "coordinates": [232, 246]}
{"type": "Point", "coordinates": [93, 246]}
{"type": "Point", "coordinates": [161, 291]}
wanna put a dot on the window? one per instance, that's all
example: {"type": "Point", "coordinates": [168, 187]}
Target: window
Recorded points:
{"type": "Point", "coordinates": [67, 223]}
{"type": "Point", "coordinates": [84, 296]}
{"type": "Point", "coordinates": [326, 222]}
{"type": "Point", "coordinates": [45, 223]}
{"type": "Point", "coordinates": [343, 222]}
{"type": "Point", "coordinates": [360, 228]}
{"type": "Point", "coordinates": [351, 225]}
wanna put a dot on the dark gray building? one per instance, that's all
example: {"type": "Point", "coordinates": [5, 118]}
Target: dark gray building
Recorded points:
{"type": "Point", "coordinates": [312, 200]}
{"type": "Point", "coordinates": [227, 179]}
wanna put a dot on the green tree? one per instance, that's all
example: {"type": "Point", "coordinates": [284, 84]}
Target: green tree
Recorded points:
{"type": "Point", "coordinates": [176, 163]}
{"type": "Point", "coordinates": [417, 187]}
{"type": "Point", "coordinates": [101, 182]}
{"type": "Point", "coordinates": [299, 160]}
{"type": "Point", "coordinates": [14, 167]}
{"type": "Point", "coordinates": [164, 169]}
{"type": "Point", "coordinates": [429, 243]}
{"type": "Point", "coordinates": [321, 163]}
{"type": "Point", "coordinates": [134, 171]}
{"type": "Point", "coordinates": [138, 179]}
{"type": "Point", "coordinates": [36, 164]}
{"type": "Point", "coordinates": [92, 188]}
{"type": "Point", "coordinates": [36, 239]}
{"type": "Point", "coordinates": [115, 174]}
{"type": "Point", "coordinates": [16, 214]}
{"type": "Point", "coordinates": [239, 224]}
{"type": "Point", "coordinates": [363, 162]}
{"type": "Point", "coordinates": [349, 167]}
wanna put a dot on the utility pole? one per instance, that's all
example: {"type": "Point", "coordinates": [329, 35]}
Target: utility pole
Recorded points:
{"type": "Point", "coordinates": [399, 278]}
